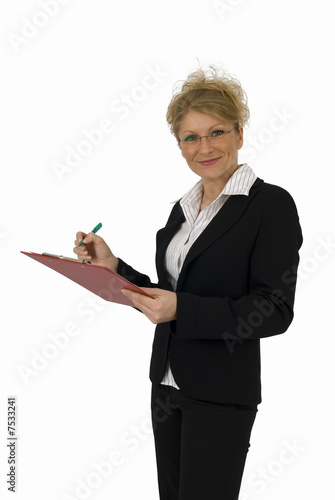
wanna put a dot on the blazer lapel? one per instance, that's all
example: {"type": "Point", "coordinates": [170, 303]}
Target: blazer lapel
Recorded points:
{"type": "Point", "coordinates": [222, 222]}
{"type": "Point", "coordinates": [227, 216]}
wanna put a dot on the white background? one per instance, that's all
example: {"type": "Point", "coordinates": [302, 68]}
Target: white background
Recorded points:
{"type": "Point", "coordinates": [67, 67]}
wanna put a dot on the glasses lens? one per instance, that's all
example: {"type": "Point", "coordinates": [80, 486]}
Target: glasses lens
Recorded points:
{"type": "Point", "coordinates": [192, 141]}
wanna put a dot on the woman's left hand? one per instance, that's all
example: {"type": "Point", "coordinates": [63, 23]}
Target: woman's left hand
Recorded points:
{"type": "Point", "coordinates": [160, 308]}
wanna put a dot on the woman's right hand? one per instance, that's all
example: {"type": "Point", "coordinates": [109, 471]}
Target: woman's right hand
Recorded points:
{"type": "Point", "coordinates": [96, 250]}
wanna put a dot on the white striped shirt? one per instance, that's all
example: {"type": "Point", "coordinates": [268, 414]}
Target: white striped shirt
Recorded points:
{"type": "Point", "coordinates": [195, 223]}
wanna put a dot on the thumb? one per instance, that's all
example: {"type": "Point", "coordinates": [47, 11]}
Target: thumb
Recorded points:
{"type": "Point", "coordinates": [94, 238]}
{"type": "Point", "coordinates": [149, 291]}
{"type": "Point", "coordinates": [88, 238]}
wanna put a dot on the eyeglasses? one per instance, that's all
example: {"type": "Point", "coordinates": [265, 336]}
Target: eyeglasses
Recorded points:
{"type": "Point", "coordinates": [193, 141]}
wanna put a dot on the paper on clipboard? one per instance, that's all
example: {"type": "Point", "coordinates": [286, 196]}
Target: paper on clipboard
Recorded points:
{"type": "Point", "coordinates": [98, 279]}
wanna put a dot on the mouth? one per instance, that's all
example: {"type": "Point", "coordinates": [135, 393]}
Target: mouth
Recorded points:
{"type": "Point", "coordinates": [207, 163]}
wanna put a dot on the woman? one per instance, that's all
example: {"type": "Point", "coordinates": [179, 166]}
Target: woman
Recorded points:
{"type": "Point", "coordinates": [226, 263]}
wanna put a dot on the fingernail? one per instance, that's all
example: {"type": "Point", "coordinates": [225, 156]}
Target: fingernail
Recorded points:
{"type": "Point", "coordinates": [124, 292]}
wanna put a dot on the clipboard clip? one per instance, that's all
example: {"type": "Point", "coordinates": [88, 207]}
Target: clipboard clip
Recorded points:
{"type": "Point", "coordinates": [66, 258]}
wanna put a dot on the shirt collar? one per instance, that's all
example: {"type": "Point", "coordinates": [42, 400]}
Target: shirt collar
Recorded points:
{"type": "Point", "coordinates": [239, 183]}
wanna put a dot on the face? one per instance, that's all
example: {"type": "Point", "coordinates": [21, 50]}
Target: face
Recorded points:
{"type": "Point", "coordinates": [213, 160]}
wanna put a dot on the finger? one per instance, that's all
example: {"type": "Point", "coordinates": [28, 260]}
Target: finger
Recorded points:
{"type": "Point", "coordinates": [88, 238]}
{"type": "Point", "coordinates": [79, 237]}
{"type": "Point", "coordinates": [139, 299]}
{"type": "Point", "coordinates": [132, 298]}
{"type": "Point", "coordinates": [149, 291]}
{"type": "Point", "coordinates": [81, 249]}
{"type": "Point", "coordinates": [82, 253]}
{"type": "Point", "coordinates": [91, 238]}
{"type": "Point", "coordinates": [131, 295]}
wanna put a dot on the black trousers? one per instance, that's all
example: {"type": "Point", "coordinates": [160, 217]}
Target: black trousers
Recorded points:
{"type": "Point", "coordinates": [201, 447]}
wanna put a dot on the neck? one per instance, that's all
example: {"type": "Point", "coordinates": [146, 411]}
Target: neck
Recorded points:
{"type": "Point", "coordinates": [213, 187]}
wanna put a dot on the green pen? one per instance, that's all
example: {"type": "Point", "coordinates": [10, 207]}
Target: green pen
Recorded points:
{"type": "Point", "coordinates": [95, 230]}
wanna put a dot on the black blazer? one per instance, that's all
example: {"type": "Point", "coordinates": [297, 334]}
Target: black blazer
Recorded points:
{"type": "Point", "coordinates": [236, 286]}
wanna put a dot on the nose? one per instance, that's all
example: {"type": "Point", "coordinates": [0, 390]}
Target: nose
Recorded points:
{"type": "Point", "coordinates": [205, 146]}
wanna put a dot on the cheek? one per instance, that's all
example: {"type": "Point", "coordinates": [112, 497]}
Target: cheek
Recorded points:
{"type": "Point", "coordinates": [189, 159]}
{"type": "Point", "coordinates": [190, 163]}
{"type": "Point", "coordinates": [185, 156]}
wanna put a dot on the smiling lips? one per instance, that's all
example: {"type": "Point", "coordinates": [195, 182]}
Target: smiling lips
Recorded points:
{"type": "Point", "coordinates": [207, 163]}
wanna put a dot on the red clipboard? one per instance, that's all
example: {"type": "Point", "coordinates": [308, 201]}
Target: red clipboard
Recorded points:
{"type": "Point", "coordinates": [98, 279]}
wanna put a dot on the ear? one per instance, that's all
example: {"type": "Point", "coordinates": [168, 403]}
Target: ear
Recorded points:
{"type": "Point", "coordinates": [239, 134]}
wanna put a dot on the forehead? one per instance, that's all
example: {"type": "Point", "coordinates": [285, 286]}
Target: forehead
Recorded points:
{"type": "Point", "coordinates": [196, 121]}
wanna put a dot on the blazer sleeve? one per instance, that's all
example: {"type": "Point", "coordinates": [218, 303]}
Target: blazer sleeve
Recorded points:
{"type": "Point", "coordinates": [267, 309]}
{"type": "Point", "coordinates": [134, 276]}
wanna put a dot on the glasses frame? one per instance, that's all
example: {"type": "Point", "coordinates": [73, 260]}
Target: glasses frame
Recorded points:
{"type": "Point", "coordinates": [209, 137]}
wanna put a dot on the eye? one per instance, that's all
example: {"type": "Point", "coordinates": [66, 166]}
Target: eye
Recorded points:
{"type": "Point", "coordinates": [218, 133]}
{"type": "Point", "coordinates": [190, 138]}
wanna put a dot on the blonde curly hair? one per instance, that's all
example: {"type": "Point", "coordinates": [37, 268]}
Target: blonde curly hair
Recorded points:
{"type": "Point", "coordinates": [210, 91]}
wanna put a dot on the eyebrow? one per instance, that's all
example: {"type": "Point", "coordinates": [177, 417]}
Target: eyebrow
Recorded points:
{"type": "Point", "coordinates": [191, 132]}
